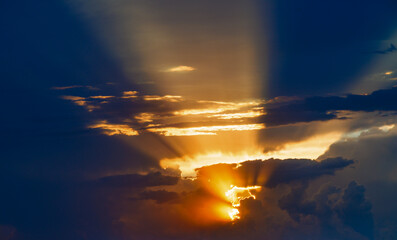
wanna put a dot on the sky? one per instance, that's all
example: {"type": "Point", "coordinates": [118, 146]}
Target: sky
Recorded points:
{"type": "Point", "coordinates": [181, 119]}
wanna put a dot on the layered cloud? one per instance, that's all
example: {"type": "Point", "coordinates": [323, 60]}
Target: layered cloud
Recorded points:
{"type": "Point", "coordinates": [132, 113]}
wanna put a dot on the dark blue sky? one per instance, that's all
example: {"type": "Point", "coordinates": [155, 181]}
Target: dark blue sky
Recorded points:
{"type": "Point", "coordinates": [322, 47]}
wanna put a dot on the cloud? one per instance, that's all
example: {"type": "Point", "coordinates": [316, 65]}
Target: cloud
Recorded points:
{"type": "Point", "coordinates": [75, 86]}
{"type": "Point", "coordinates": [138, 180]}
{"type": "Point", "coordinates": [390, 49]}
{"type": "Point", "coordinates": [115, 129]}
{"type": "Point", "coordinates": [273, 172]}
{"type": "Point", "coordinates": [340, 215]}
{"type": "Point", "coordinates": [181, 69]}
{"type": "Point", "coordinates": [375, 168]}
{"type": "Point", "coordinates": [176, 116]}
{"type": "Point", "coordinates": [169, 98]}
{"type": "Point", "coordinates": [121, 206]}
{"type": "Point", "coordinates": [210, 130]}
{"type": "Point", "coordinates": [101, 97]}
{"type": "Point", "coordinates": [289, 170]}
{"type": "Point", "coordinates": [160, 196]}
{"type": "Point", "coordinates": [325, 108]}
{"type": "Point", "coordinates": [133, 113]}
{"type": "Point", "coordinates": [355, 210]}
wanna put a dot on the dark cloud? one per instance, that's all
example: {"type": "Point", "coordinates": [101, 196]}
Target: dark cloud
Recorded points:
{"type": "Point", "coordinates": [298, 169]}
{"type": "Point", "coordinates": [390, 49]}
{"type": "Point", "coordinates": [119, 109]}
{"type": "Point", "coordinates": [127, 206]}
{"type": "Point", "coordinates": [273, 172]}
{"type": "Point", "coordinates": [341, 215]}
{"type": "Point", "coordinates": [355, 210]}
{"type": "Point", "coordinates": [160, 196]}
{"type": "Point", "coordinates": [325, 108]}
{"type": "Point", "coordinates": [138, 180]}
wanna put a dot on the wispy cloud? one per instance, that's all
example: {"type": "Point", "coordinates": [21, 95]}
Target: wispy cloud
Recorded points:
{"type": "Point", "coordinates": [115, 129]}
{"type": "Point", "coordinates": [168, 115]}
{"type": "Point", "coordinates": [170, 98]}
{"type": "Point", "coordinates": [181, 69]}
{"type": "Point", "coordinates": [75, 86]}
{"type": "Point", "coordinates": [206, 130]}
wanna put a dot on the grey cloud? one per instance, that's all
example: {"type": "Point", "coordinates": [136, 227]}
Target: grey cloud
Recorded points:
{"type": "Point", "coordinates": [375, 167]}
{"type": "Point", "coordinates": [340, 215]}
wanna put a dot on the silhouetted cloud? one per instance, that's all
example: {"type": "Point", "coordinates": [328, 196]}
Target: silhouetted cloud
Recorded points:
{"type": "Point", "coordinates": [138, 180]}
{"type": "Point", "coordinates": [326, 107]}
{"type": "Point", "coordinates": [160, 196]}
{"type": "Point", "coordinates": [273, 172]}
{"type": "Point", "coordinates": [390, 49]}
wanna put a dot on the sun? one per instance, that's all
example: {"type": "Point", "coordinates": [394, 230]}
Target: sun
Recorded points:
{"type": "Point", "coordinates": [235, 194]}
{"type": "Point", "coordinates": [234, 214]}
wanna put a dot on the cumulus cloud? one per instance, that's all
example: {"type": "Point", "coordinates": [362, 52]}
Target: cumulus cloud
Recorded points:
{"type": "Point", "coordinates": [339, 214]}
{"type": "Point", "coordinates": [375, 169]}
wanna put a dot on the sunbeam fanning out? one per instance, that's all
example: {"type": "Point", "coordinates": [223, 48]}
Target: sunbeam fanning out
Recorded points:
{"type": "Point", "coordinates": [198, 119]}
